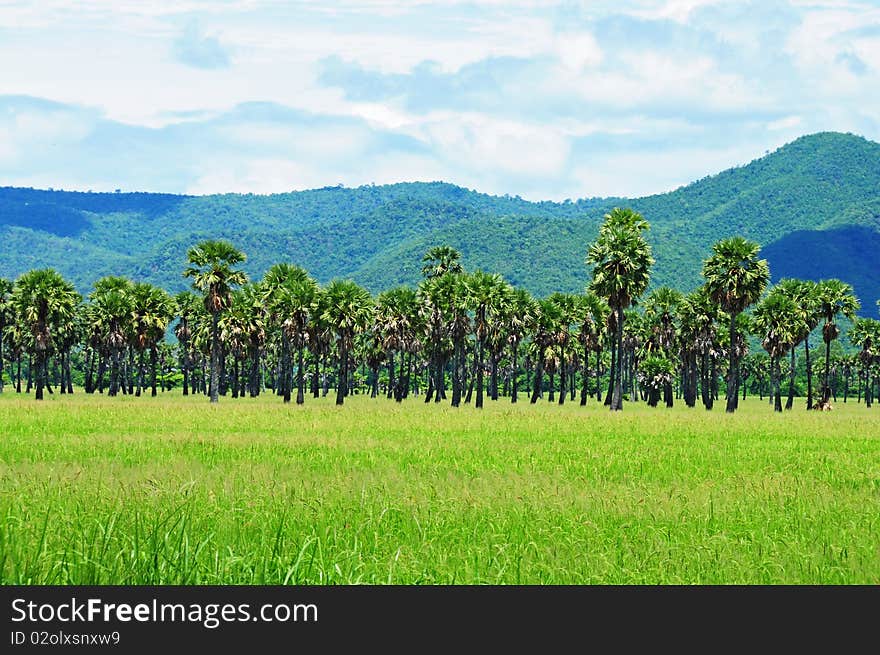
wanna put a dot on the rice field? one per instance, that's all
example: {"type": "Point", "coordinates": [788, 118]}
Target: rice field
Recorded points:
{"type": "Point", "coordinates": [172, 490]}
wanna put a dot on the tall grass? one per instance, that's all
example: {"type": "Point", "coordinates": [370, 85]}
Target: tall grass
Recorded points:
{"type": "Point", "coordinates": [174, 491]}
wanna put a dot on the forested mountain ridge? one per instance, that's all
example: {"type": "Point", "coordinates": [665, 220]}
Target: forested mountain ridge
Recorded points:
{"type": "Point", "coordinates": [814, 204]}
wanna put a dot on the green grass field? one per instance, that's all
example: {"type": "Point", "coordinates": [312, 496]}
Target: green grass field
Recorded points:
{"type": "Point", "coordinates": [174, 491]}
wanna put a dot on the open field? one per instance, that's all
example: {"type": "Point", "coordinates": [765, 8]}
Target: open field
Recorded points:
{"type": "Point", "coordinates": [174, 491]}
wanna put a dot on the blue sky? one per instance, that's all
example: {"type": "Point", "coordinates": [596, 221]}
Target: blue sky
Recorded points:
{"type": "Point", "coordinates": [547, 100]}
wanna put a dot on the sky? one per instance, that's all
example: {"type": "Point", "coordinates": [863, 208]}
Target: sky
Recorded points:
{"type": "Point", "coordinates": [544, 100]}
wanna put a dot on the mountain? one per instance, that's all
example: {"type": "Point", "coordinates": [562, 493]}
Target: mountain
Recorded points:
{"type": "Point", "coordinates": [814, 204]}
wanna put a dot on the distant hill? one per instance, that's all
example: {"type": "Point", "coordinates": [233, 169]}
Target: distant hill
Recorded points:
{"type": "Point", "coordinates": [814, 204]}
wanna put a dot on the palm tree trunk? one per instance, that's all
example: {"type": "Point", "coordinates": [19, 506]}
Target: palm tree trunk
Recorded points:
{"type": "Point", "coordinates": [705, 389]}
{"type": "Point", "coordinates": [342, 376]}
{"type": "Point", "coordinates": [300, 377]}
{"type": "Point", "coordinates": [284, 375]}
{"type": "Point", "coordinates": [325, 379]}
{"type": "Point", "coordinates": [391, 372]}
{"type": "Point", "coordinates": [515, 367]}
{"type": "Point", "coordinates": [90, 370]}
{"type": "Point", "coordinates": [777, 394]}
{"type": "Point", "coordinates": [63, 379]}
{"type": "Point", "coordinates": [130, 370]}
{"type": "Point", "coordinates": [562, 376]}
{"type": "Point", "coordinates": [585, 378]}
{"type": "Point", "coordinates": [99, 376]}
{"type": "Point", "coordinates": [790, 402]}
{"type": "Point", "coordinates": [49, 378]}
{"type": "Point", "coordinates": [401, 378]}
{"type": "Point", "coordinates": [140, 374]}
{"type": "Point", "coordinates": [153, 365]}
{"type": "Point", "coordinates": [185, 368]}
{"type": "Point", "coordinates": [40, 381]}
{"type": "Point", "coordinates": [115, 357]}
{"type": "Point", "coordinates": [440, 382]}
{"type": "Point", "coordinates": [539, 379]}
{"type": "Point", "coordinates": [826, 390]}
{"type": "Point", "coordinates": [234, 377]}
{"type": "Point", "coordinates": [733, 371]}
{"type": "Point", "coordinates": [617, 396]}
{"type": "Point", "coordinates": [691, 384]}
{"type": "Point", "coordinates": [612, 372]}
{"type": "Point", "coordinates": [67, 372]}
{"type": "Point", "coordinates": [493, 384]}
{"type": "Point", "coordinates": [479, 363]}
{"type": "Point", "coordinates": [457, 369]}
{"type": "Point", "coordinates": [315, 381]}
{"type": "Point", "coordinates": [809, 372]}
{"type": "Point", "coordinates": [215, 358]}
{"type": "Point", "coordinates": [713, 379]}
{"type": "Point", "coordinates": [374, 381]}
{"type": "Point", "coordinates": [254, 375]}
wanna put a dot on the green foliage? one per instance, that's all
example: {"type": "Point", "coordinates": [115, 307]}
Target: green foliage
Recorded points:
{"type": "Point", "coordinates": [818, 194]}
{"type": "Point", "coordinates": [620, 259]}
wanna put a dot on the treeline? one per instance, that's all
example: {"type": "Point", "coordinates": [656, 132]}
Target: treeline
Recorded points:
{"type": "Point", "coordinates": [459, 336]}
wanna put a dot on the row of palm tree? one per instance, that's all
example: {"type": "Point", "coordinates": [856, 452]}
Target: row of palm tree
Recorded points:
{"type": "Point", "coordinates": [471, 331]}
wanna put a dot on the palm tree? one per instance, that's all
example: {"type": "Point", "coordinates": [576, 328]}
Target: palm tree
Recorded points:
{"type": "Point", "coordinates": [44, 302]}
{"type": "Point", "coordinates": [290, 294]}
{"type": "Point", "coordinates": [398, 323]}
{"type": "Point", "coordinates": [621, 261]}
{"type": "Point", "coordinates": [152, 311]}
{"type": "Point", "coordinates": [347, 309]}
{"type": "Point", "coordinates": [698, 319]}
{"type": "Point", "coordinates": [656, 372]}
{"type": "Point", "coordinates": [519, 320]}
{"type": "Point", "coordinates": [211, 267]}
{"type": "Point", "coordinates": [440, 260]}
{"type": "Point", "coordinates": [188, 307]}
{"type": "Point", "coordinates": [661, 306]}
{"type": "Point", "coordinates": [485, 294]}
{"type": "Point", "coordinates": [833, 298]}
{"type": "Point", "coordinates": [568, 306]}
{"type": "Point", "coordinates": [251, 317]}
{"type": "Point", "coordinates": [777, 322]}
{"type": "Point", "coordinates": [109, 314]}
{"type": "Point", "coordinates": [6, 317]}
{"type": "Point", "coordinates": [735, 279]}
{"type": "Point", "coordinates": [548, 315]}
{"type": "Point", "coordinates": [591, 313]}
{"type": "Point", "coordinates": [804, 294]}
{"type": "Point", "coordinates": [299, 297]}
{"type": "Point", "coordinates": [444, 316]}
{"type": "Point", "coordinates": [865, 334]}
{"type": "Point", "coordinates": [688, 330]}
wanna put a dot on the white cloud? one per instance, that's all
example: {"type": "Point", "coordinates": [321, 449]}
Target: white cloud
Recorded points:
{"type": "Point", "coordinates": [675, 10]}
{"type": "Point", "coordinates": [523, 85]}
{"type": "Point", "coordinates": [578, 50]}
{"type": "Point", "coordinates": [786, 123]}
{"type": "Point", "coordinates": [256, 176]}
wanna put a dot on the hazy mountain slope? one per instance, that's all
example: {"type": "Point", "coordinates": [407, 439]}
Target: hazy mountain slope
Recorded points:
{"type": "Point", "coordinates": [804, 198]}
